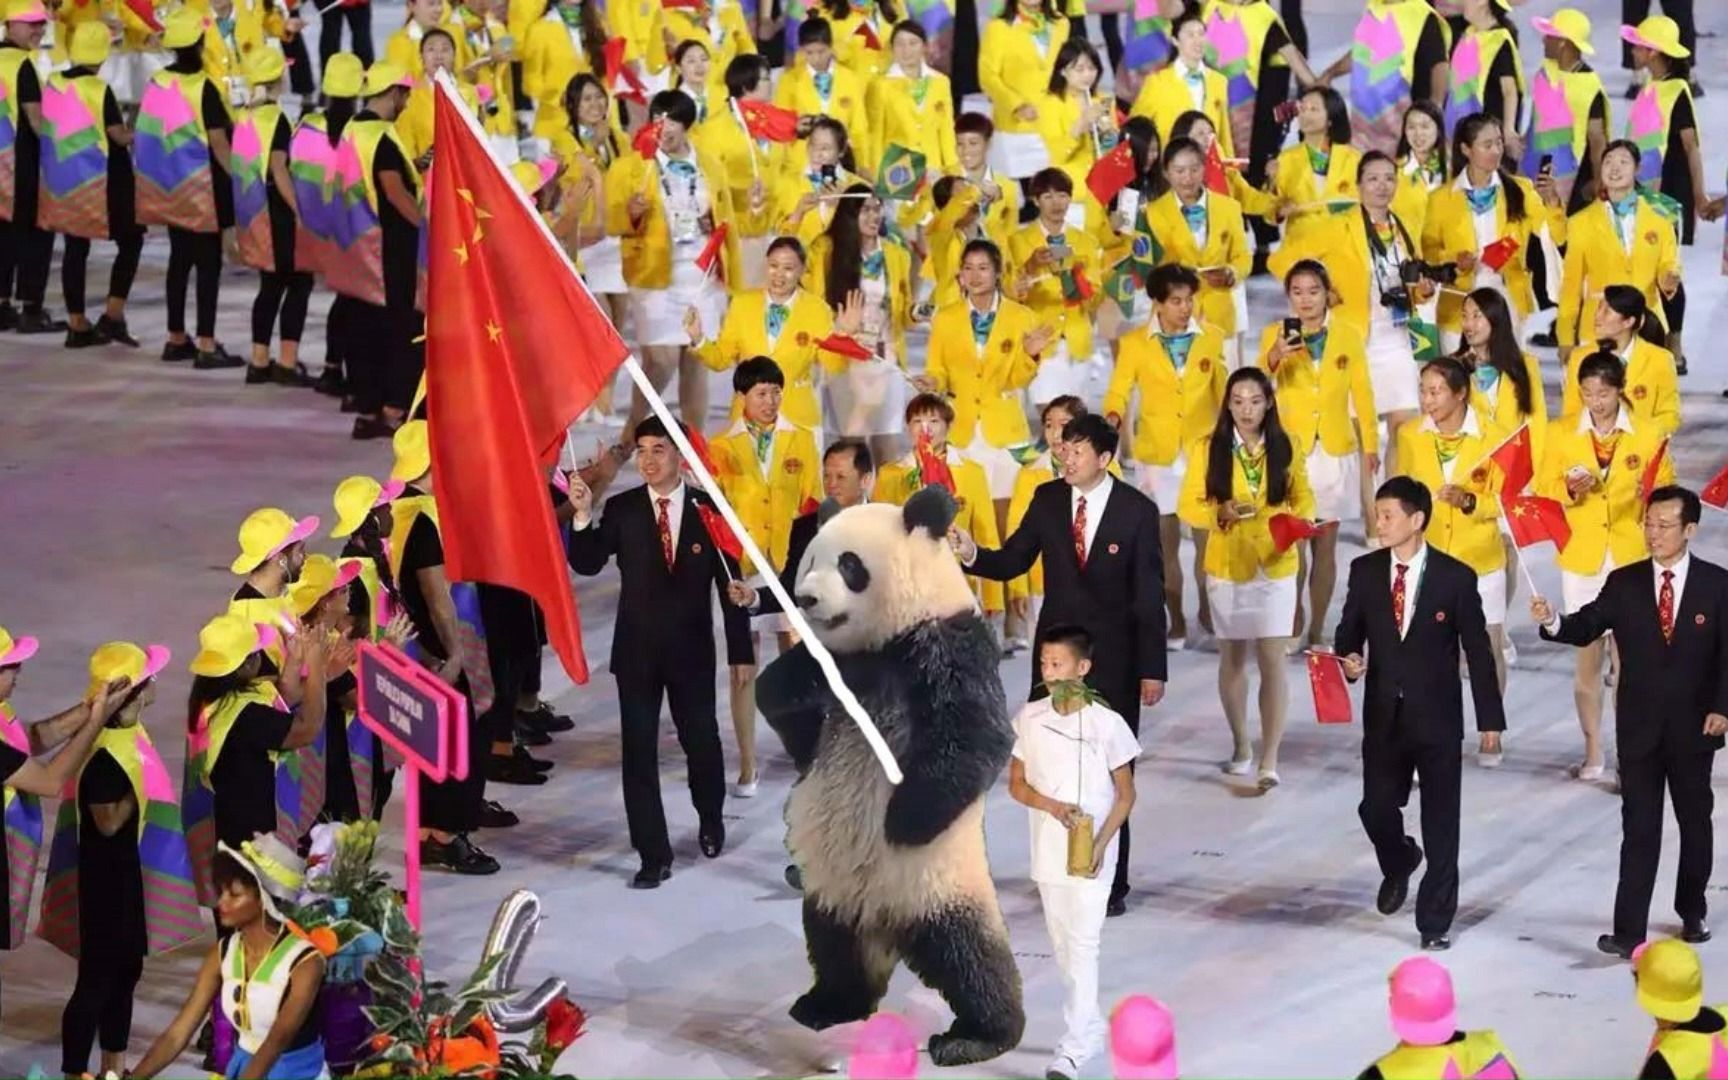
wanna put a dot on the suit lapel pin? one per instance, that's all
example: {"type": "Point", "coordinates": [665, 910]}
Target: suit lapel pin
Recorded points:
{"type": "Point", "coordinates": [695, 549]}
{"type": "Point", "coordinates": [1114, 548]}
{"type": "Point", "coordinates": [1698, 620]}
{"type": "Point", "coordinates": [1439, 616]}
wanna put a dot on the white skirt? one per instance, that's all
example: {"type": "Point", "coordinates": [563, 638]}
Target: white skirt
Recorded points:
{"type": "Point", "coordinates": [1249, 610]}
{"type": "Point", "coordinates": [999, 465]}
{"type": "Point", "coordinates": [1163, 483]}
{"type": "Point", "coordinates": [1492, 589]}
{"type": "Point", "coordinates": [1576, 590]}
{"type": "Point", "coordinates": [603, 268]}
{"type": "Point", "coordinates": [869, 398]}
{"type": "Point", "coordinates": [659, 313]}
{"type": "Point", "coordinates": [1392, 369]}
{"type": "Point", "coordinates": [1337, 484]}
{"type": "Point", "coordinates": [1058, 374]}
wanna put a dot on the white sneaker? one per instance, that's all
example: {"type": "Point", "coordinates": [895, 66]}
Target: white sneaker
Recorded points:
{"type": "Point", "coordinates": [741, 790]}
{"type": "Point", "coordinates": [1268, 780]}
{"type": "Point", "coordinates": [1062, 1067]}
{"type": "Point", "coordinates": [1490, 761]}
{"type": "Point", "coordinates": [1509, 651]}
{"type": "Point", "coordinates": [1588, 773]}
{"type": "Point", "coordinates": [1234, 767]}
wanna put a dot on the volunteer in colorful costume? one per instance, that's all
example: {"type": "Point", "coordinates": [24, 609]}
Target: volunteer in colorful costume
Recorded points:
{"type": "Point", "coordinates": [1398, 55]}
{"type": "Point", "coordinates": [1424, 1011]}
{"type": "Point", "coordinates": [1569, 110]}
{"type": "Point", "coordinates": [1690, 1037]}
{"type": "Point", "coordinates": [1486, 74]}
{"type": "Point", "coordinates": [28, 248]}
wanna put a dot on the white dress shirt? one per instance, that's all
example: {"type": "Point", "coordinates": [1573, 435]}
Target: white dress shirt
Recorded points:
{"type": "Point", "coordinates": [674, 511]}
{"type": "Point", "coordinates": [1412, 582]}
{"type": "Point", "coordinates": [1096, 500]}
{"type": "Point", "coordinates": [1196, 88]}
{"type": "Point", "coordinates": [1679, 569]}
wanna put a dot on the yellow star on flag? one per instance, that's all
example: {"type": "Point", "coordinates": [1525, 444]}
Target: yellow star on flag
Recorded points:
{"type": "Point", "coordinates": [479, 233]}
{"type": "Point", "coordinates": [467, 195]}
{"type": "Point", "coordinates": [462, 253]}
{"type": "Point", "coordinates": [494, 331]}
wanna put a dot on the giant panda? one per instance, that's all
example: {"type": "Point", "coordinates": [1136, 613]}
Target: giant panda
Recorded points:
{"type": "Point", "coordinates": [894, 873]}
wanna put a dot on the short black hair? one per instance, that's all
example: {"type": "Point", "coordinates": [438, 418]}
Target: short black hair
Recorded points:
{"type": "Point", "coordinates": [673, 105]}
{"type": "Point", "coordinates": [1163, 280]}
{"type": "Point", "coordinates": [1337, 113]}
{"type": "Point", "coordinates": [1050, 179]}
{"type": "Point", "coordinates": [909, 26]}
{"type": "Point", "coordinates": [651, 427]}
{"type": "Point", "coordinates": [815, 32]}
{"type": "Point", "coordinates": [787, 243]}
{"type": "Point", "coordinates": [860, 451]}
{"type": "Point", "coordinates": [942, 191]}
{"type": "Point", "coordinates": [986, 247]}
{"type": "Point", "coordinates": [754, 372]}
{"type": "Point", "coordinates": [974, 123]}
{"type": "Point", "coordinates": [225, 869]}
{"type": "Point", "coordinates": [1093, 429]}
{"type": "Point", "coordinates": [1412, 494]}
{"type": "Point", "coordinates": [1069, 635]}
{"type": "Point", "coordinates": [433, 35]}
{"type": "Point", "coordinates": [1071, 404]}
{"type": "Point", "coordinates": [745, 73]}
{"type": "Point", "coordinates": [1603, 364]}
{"type": "Point", "coordinates": [922, 404]}
{"type": "Point", "coordinates": [1691, 508]}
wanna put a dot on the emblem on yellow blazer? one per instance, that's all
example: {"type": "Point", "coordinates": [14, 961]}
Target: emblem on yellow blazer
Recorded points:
{"type": "Point", "coordinates": [1632, 461]}
{"type": "Point", "coordinates": [802, 339]}
{"type": "Point", "coordinates": [1639, 393]}
{"type": "Point", "coordinates": [794, 465]}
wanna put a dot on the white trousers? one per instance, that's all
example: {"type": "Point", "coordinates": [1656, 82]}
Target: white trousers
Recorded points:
{"type": "Point", "coordinates": [1074, 915]}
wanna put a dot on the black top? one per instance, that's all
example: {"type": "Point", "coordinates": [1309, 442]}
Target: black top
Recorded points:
{"type": "Point", "coordinates": [1677, 168]}
{"type": "Point", "coordinates": [110, 876]}
{"type": "Point", "coordinates": [1707, 1022]}
{"type": "Point", "coordinates": [423, 549]}
{"type": "Point", "coordinates": [1372, 1072]}
{"type": "Point", "coordinates": [341, 798]}
{"type": "Point", "coordinates": [245, 778]}
{"type": "Point", "coordinates": [1494, 98]}
{"type": "Point", "coordinates": [28, 146]}
{"type": "Point", "coordinates": [281, 215]}
{"type": "Point", "coordinates": [401, 237]}
{"type": "Point", "coordinates": [266, 667]}
{"type": "Point", "coordinates": [1430, 50]}
{"type": "Point", "coordinates": [1583, 183]}
{"type": "Point", "coordinates": [10, 762]}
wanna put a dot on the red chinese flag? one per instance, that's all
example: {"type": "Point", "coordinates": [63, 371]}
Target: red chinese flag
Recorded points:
{"type": "Point", "coordinates": [1716, 491]}
{"type": "Point", "coordinates": [646, 141]}
{"type": "Point", "coordinates": [710, 260]}
{"type": "Point", "coordinates": [1217, 180]}
{"type": "Point", "coordinates": [1651, 471]}
{"type": "Point", "coordinates": [768, 122]}
{"type": "Point", "coordinates": [868, 33]}
{"type": "Point", "coordinates": [1111, 173]}
{"type": "Point", "coordinates": [1534, 519]}
{"type": "Point", "coordinates": [841, 345]}
{"type": "Point", "coordinates": [720, 532]}
{"type": "Point", "coordinates": [501, 375]}
{"type": "Point", "coordinates": [146, 13]}
{"type": "Point", "coordinates": [621, 81]}
{"type": "Point", "coordinates": [1516, 465]}
{"type": "Point", "coordinates": [1331, 696]}
{"type": "Point", "coordinates": [700, 445]}
{"type": "Point", "coordinates": [685, 5]}
{"type": "Point", "coordinates": [1499, 253]}
{"type": "Point", "coordinates": [933, 467]}
{"type": "Point", "coordinates": [1286, 529]}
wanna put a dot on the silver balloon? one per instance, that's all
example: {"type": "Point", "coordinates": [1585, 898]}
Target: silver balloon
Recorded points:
{"type": "Point", "coordinates": [511, 933]}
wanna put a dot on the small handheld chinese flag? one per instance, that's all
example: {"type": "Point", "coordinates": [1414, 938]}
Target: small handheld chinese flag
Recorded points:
{"type": "Point", "coordinates": [1076, 286]}
{"type": "Point", "coordinates": [808, 506]}
{"type": "Point", "coordinates": [1111, 173]}
{"type": "Point", "coordinates": [841, 345]}
{"type": "Point", "coordinates": [1217, 180]}
{"type": "Point", "coordinates": [933, 467]}
{"type": "Point", "coordinates": [646, 141]}
{"type": "Point", "coordinates": [710, 258]}
{"type": "Point", "coordinates": [1514, 458]}
{"type": "Point", "coordinates": [1499, 253]}
{"type": "Point", "coordinates": [1331, 696]}
{"type": "Point", "coordinates": [1286, 529]}
{"type": "Point", "coordinates": [1534, 519]}
{"type": "Point", "coordinates": [621, 81]}
{"type": "Point", "coordinates": [1653, 473]}
{"type": "Point", "coordinates": [1716, 491]}
{"type": "Point", "coordinates": [720, 532]}
{"type": "Point", "coordinates": [868, 33]}
{"type": "Point", "coordinates": [768, 122]}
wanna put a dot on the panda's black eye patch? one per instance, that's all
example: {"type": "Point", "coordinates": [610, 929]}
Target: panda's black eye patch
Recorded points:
{"type": "Point", "coordinates": [854, 573]}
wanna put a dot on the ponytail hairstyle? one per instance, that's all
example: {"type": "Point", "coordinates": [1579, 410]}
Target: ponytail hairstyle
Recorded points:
{"type": "Point", "coordinates": [1468, 129]}
{"type": "Point", "coordinates": [1605, 365]}
{"type": "Point", "coordinates": [1628, 302]}
{"type": "Point", "coordinates": [1504, 352]}
{"type": "Point", "coordinates": [1220, 455]}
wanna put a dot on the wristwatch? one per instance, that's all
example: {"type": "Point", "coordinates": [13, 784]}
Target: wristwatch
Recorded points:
{"type": "Point", "coordinates": [1469, 503]}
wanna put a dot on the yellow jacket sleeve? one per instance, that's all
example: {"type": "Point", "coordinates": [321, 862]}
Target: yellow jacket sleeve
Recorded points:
{"type": "Point", "coordinates": [998, 84]}
{"type": "Point", "coordinates": [1122, 378]}
{"type": "Point", "coordinates": [1193, 508]}
{"type": "Point", "coordinates": [1362, 395]}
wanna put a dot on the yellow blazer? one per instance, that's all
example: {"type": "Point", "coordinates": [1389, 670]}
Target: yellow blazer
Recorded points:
{"type": "Point", "coordinates": [744, 334]}
{"type": "Point", "coordinates": [1608, 521]}
{"type": "Point", "coordinates": [647, 249]}
{"type": "Point", "coordinates": [986, 385]}
{"type": "Point", "coordinates": [403, 48]}
{"type": "Point", "coordinates": [1014, 70]}
{"type": "Point", "coordinates": [1293, 181]}
{"type": "Point", "coordinates": [1245, 550]}
{"type": "Point", "coordinates": [1410, 201]}
{"type": "Point", "coordinates": [1074, 155]}
{"type": "Point", "coordinates": [853, 50]}
{"type": "Point", "coordinates": [414, 126]}
{"type": "Point", "coordinates": [642, 25]}
{"type": "Point", "coordinates": [768, 497]}
{"type": "Point", "coordinates": [900, 287]}
{"type": "Point", "coordinates": [1652, 386]}
{"type": "Point", "coordinates": [744, 161]}
{"type": "Point", "coordinates": [1177, 408]}
{"type": "Point", "coordinates": [224, 59]}
{"type": "Point", "coordinates": [897, 118]}
{"type": "Point", "coordinates": [1342, 247]}
{"type": "Point", "coordinates": [1165, 96]}
{"type": "Point", "coordinates": [845, 103]}
{"type": "Point", "coordinates": [898, 480]}
{"type": "Point", "coordinates": [1470, 538]}
{"type": "Point", "coordinates": [551, 57]}
{"type": "Point", "coordinates": [1595, 259]}
{"type": "Point", "coordinates": [1314, 398]}
{"type": "Point", "coordinates": [482, 32]}
{"type": "Point", "coordinates": [726, 36]}
{"type": "Point", "coordinates": [1026, 481]}
{"type": "Point", "coordinates": [1073, 321]}
{"type": "Point", "coordinates": [1503, 412]}
{"type": "Point", "coordinates": [1226, 245]}
{"type": "Point", "coordinates": [791, 187]}
{"type": "Point", "coordinates": [1450, 231]}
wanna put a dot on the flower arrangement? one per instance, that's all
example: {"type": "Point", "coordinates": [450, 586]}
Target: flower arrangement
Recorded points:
{"type": "Point", "coordinates": [346, 902]}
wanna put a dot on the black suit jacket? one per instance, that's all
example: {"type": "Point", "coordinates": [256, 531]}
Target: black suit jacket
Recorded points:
{"type": "Point", "coordinates": [1665, 690]}
{"type": "Point", "coordinates": [803, 531]}
{"type": "Point", "coordinates": [1118, 597]}
{"type": "Point", "coordinates": [1422, 666]}
{"type": "Point", "coordinates": [663, 615]}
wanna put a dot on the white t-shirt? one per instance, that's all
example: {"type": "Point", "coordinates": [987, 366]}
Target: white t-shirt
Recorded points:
{"type": "Point", "coordinates": [1069, 759]}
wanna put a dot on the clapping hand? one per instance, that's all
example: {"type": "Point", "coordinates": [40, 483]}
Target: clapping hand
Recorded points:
{"type": "Point", "coordinates": [399, 631]}
{"type": "Point", "coordinates": [1038, 339]}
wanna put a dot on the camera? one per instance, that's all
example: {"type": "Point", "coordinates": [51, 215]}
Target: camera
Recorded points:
{"type": "Point", "coordinates": [1410, 271]}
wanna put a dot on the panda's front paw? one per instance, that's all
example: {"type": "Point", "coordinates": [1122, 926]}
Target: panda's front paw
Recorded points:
{"type": "Point", "coordinates": [951, 1050]}
{"type": "Point", "coordinates": [818, 1012]}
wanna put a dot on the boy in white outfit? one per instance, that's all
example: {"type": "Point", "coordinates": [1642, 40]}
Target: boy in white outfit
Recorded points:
{"type": "Point", "coordinates": [1071, 758]}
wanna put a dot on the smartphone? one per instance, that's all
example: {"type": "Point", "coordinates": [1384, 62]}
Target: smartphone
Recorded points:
{"type": "Point", "coordinates": [1546, 165]}
{"type": "Point", "coordinates": [922, 311]}
{"type": "Point", "coordinates": [1293, 331]}
{"type": "Point", "coordinates": [830, 173]}
{"type": "Point", "coordinates": [1245, 510]}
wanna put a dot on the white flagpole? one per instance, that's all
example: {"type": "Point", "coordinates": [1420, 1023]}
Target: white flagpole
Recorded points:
{"type": "Point", "coordinates": [794, 614]}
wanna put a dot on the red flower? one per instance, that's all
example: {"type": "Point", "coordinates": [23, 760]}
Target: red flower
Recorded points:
{"type": "Point", "coordinates": [564, 1020]}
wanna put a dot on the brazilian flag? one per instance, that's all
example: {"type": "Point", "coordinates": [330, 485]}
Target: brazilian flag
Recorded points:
{"type": "Point", "coordinates": [1424, 333]}
{"type": "Point", "coordinates": [1145, 249]}
{"type": "Point", "coordinates": [901, 173]}
{"type": "Point", "coordinates": [1123, 284]}
{"type": "Point", "coordinates": [1027, 452]}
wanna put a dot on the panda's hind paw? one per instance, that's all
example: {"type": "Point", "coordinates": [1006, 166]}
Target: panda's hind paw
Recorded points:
{"type": "Point", "coordinates": [950, 1050]}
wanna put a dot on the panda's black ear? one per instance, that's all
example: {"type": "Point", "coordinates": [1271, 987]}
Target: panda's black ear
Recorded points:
{"type": "Point", "coordinates": [931, 509]}
{"type": "Point", "coordinates": [826, 512]}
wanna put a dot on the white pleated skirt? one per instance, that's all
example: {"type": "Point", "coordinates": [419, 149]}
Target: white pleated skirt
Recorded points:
{"type": "Point", "coordinates": [869, 398]}
{"type": "Point", "coordinates": [1576, 590]}
{"type": "Point", "coordinates": [659, 313]}
{"type": "Point", "coordinates": [603, 268]}
{"type": "Point", "coordinates": [1249, 610]}
{"type": "Point", "coordinates": [1000, 468]}
{"type": "Point", "coordinates": [1337, 484]}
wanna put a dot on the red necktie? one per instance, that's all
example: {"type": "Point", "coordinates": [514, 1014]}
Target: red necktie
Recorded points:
{"type": "Point", "coordinates": [665, 523]}
{"type": "Point", "coordinates": [1080, 531]}
{"type": "Point", "coordinates": [1398, 598]}
{"type": "Point", "coordinates": [1665, 606]}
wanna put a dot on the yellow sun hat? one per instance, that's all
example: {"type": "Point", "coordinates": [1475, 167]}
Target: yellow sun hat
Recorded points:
{"type": "Point", "coordinates": [413, 452]}
{"type": "Point", "coordinates": [124, 660]}
{"type": "Point", "coordinates": [14, 651]}
{"type": "Point", "coordinates": [266, 533]}
{"type": "Point", "coordinates": [90, 44]}
{"type": "Point", "coordinates": [357, 497]}
{"type": "Point", "coordinates": [182, 27]}
{"type": "Point", "coordinates": [320, 577]}
{"type": "Point", "coordinates": [1568, 23]}
{"type": "Point", "coordinates": [26, 11]}
{"type": "Point", "coordinates": [343, 75]}
{"type": "Point", "coordinates": [225, 643]}
{"type": "Point", "coordinates": [1658, 32]}
{"type": "Point", "coordinates": [383, 76]}
{"type": "Point", "coordinates": [264, 66]}
{"type": "Point", "coordinates": [531, 176]}
{"type": "Point", "coordinates": [1670, 979]}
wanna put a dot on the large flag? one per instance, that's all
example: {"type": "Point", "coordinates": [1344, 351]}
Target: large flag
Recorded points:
{"type": "Point", "coordinates": [508, 369]}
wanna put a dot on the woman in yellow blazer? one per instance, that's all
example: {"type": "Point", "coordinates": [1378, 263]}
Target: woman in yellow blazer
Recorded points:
{"type": "Point", "coordinates": [1249, 471]}
{"type": "Point", "coordinates": [912, 104]}
{"type": "Point", "coordinates": [1052, 265]}
{"type": "Point", "coordinates": [816, 83]}
{"type": "Point", "coordinates": [664, 209]}
{"type": "Point", "coordinates": [569, 40]}
{"type": "Point", "coordinates": [1486, 205]}
{"type": "Point", "coordinates": [1078, 126]}
{"type": "Point", "coordinates": [493, 60]}
{"type": "Point", "coordinates": [1320, 373]}
{"type": "Point", "coordinates": [594, 138]}
{"type": "Point", "coordinates": [1015, 61]}
{"type": "Point", "coordinates": [1201, 229]}
{"type": "Point", "coordinates": [782, 322]}
{"type": "Point", "coordinates": [1422, 165]}
{"type": "Point", "coordinates": [403, 47]}
{"type": "Point", "coordinates": [805, 197]}
{"type": "Point", "coordinates": [415, 126]}
{"type": "Point", "coordinates": [861, 30]}
{"type": "Point", "coordinates": [1620, 239]}
{"type": "Point", "coordinates": [1186, 85]}
{"type": "Point", "coordinates": [1447, 449]}
{"type": "Point", "coordinates": [721, 28]}
{"type": "Point", "coordinates": [927, 419]}
{"type": "Point", "coordinates": [1595, 465]}
{"type": "Point", "coordinates": [1176, 366]}
{"type": "Point", "coordinates": [753, 167]}
{"type": "Point", "coordinates": [1626, 323]}
{"type": "Point", "coordinates": [1320, 168]}
{"type": "Point", "coordinates": [1000, 200]}
{"type": "Point", "coordinates": [692, 67]}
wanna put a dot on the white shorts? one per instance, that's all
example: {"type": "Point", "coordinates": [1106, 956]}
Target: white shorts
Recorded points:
{"type": "Point", "coordinates": [1576, 590]}
{"type": "Point", "coordinates": [1249, 610]}
{"type": "Point", "coordinates": [1058, 374]}
{"type": "Point", "coordinates": [753, 253]}
{"type": "Point", "coordinates": [1393, 371]}
{"type": "Point", "coordinates": [999, 465]}
{"type": "Point", "coordinates": [603, 268]}
{"type": "Point", "coordinates": [1163, 483]}
{"type": "Point", "coordinates": [1492, 589]}
{"type": "Point", "coordinates": [659, 313]}
{"type": "Point", "coordinates": [1337, 484]}
{"type": "Point", "coordinates": [869, 398]}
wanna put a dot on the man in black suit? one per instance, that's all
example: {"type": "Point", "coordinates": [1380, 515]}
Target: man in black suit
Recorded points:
{"type": "Point", "coordinates": [663, 640]}
{"type": "Point", "coordinates": [1415, 608]}
{"type": "Point", "coordinates": [1103, 570]}
{"type": "Point", "coordinates": [1669, 617]}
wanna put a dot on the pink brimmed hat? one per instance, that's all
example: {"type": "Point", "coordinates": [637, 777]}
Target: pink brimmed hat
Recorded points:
{"type": "Point", "coordinates": [1143, 1039]}
{"type": "Point", "coordinates": [1423, 1006]}
{"type": "Point", "coordinates": [14, 651]}
{"type": "Point", "coordinates": [124, 660]}
{"type": "Point", "coordinates": [1659, 33]}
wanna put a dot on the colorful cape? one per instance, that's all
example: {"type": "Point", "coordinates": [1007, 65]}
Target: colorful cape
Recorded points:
{"type": "Point", "coordinates": [74, 193]}
{"type": "Point", "coordinates": [171, 155]}
{"type": "Point", "coordinates": [23, 836]}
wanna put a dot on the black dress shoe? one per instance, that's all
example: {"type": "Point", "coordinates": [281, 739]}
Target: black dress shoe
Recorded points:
{"type": "Point", "coordinates": [114, 330]}
{"type": "Point", "coordinates": [521, 755]}
{"type": "Point", "coordinates": [174, 354]}
{"type": "Point", "coordinates": [1116, 906]}
{"type": "Point", "coordinates": [1396, 889]}
{"type": "Point", "coordinates": [506, 769]}
{"type": "Point", "coordinates": [38, 321]}
{"type": "Point", "coordinates": [350, 404]}
{"type": "Point", "coordinates": [493, 816]}
{"type": "Point", "coordinates": [331, 382]}
{"type": "Point", "coordinates": [712, 839]}
{"type": "Point", "coordinates": [795, 877]}
{"type": "Point", "coordinates": [1435, 943]}
{"type": "Point", "coordinates": [283, 375]}
{"type": "Point", "coordinates": [459, 856]}
{"type": "Point", "coordinates": [258, 376]}
{"type": "Point", "coordinates": [1695, 932]}
{"type": "Point", "coordinates": [83, 339]}
{"type": "Point", "coordinates": [542, 718]}
{"type": "Point", "coordinates": [1613, 946]}
{"type": "Point", "coordinates": [650, 876]}
{"type": "Point", "coordinates": [528, 736]}
{"type": "Point", "coordinates": [216, 359]}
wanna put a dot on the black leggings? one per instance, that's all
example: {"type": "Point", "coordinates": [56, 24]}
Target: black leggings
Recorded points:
{"type": "Point", "coordinates": [359, 20]}
{"type": "Point", "coordinates": [299, 65]}
{"type": "Point", "coordinates": [101, 1001]}
{"type": "Point", "coordinates": [77, 256]}
{"type": "Point", "coordinates": [188, 251]}
{"type": "Point", "coordinates": [25, 252]}
{"type": "Point", "coordinates": [1674, 310]}
{"type": "Point", "coordinates": [288, 292]}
